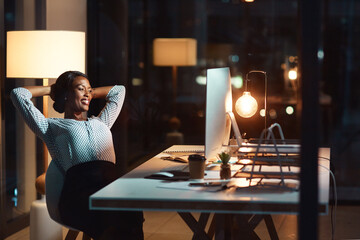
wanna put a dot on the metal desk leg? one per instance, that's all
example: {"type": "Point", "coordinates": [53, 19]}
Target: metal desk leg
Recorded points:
{"type": "Point", "coordinates": [241, 228]}
{"type": "Point", "coordinates": [271, 227]}
{"type": "Point", "coordinates": [256, 219]}
{"type": "Point", "coordinates": [222, 226]}
{"type": "Point", "coordinates": [197, 227]}
{"type": "Point", "coordinates": [204, 217]}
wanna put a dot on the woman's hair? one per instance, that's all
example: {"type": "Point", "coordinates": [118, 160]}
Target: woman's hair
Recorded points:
{"type": "Point", "coordinates": [61, 87]}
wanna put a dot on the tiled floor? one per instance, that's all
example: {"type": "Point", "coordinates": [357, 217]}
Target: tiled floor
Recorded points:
{"type": "Point", "coordinates": [169, 226]}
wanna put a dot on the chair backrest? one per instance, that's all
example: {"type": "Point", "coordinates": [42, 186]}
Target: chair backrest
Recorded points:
{"type": "Point", "coordinates": [54, 182]}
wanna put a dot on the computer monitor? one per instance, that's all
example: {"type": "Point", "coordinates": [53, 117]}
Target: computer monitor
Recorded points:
{"type": "Point", "coordinates": [219, 115]}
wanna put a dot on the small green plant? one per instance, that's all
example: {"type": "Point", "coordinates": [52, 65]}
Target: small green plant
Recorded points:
{"type": "Point", "coordinates": [224, 157]}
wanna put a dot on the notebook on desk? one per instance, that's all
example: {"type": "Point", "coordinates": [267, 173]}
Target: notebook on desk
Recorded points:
{"type": "Point", "coordinates": [185, 149]}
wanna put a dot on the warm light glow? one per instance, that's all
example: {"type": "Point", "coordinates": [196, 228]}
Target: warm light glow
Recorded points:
{"type": "Point", "coordinates": [289, 110]}
{"type": "Point", "coordinates": [273, 113]}
{"type": "Point", "coordinates": [262, 112]}
{"type": "Point", "coordinates": [137, 82]}
{"type": "Point", "coordinates": [44, 54]}
{"type": "Point", "coordinates": [246, 105]}
{"type": "Point", "coordinates": [174, 52]}
{"type": "Point", "coordinates": [292, 74]}
{"type": "Point", "coordinates": [245, 161]}
{"type": "Point", "coordinates": [249, 0]}
{"type": "Point", "coordinates": [228, 103]}
{"type": "Point", "coordinates": [245, 149]}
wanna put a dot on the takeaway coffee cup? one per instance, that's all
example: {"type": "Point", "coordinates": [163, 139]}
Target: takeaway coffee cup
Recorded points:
{"type": "Point", "coordinates": [196, 166]}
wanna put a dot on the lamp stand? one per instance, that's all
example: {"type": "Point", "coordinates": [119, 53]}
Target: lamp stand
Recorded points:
{"type": "Point", "coordinates": [265, 97]}
{"type": "Point", "coordinates": [40, 180]}
{"type": "Point", "coordinates": [174, 137]}
{"type": "Point", "coordinates": [174, 85]}
{"type": "Point", "coordinates": [46, 113]}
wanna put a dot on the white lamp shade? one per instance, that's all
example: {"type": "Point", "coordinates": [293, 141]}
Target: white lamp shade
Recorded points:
{"type": "Point", "coordinates": [174, 52]}
{"type": "Point", "coordinates": [44, 54]}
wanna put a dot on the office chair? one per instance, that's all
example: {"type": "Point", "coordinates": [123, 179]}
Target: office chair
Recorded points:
{"type": "Point", "coordinates": [54, 182]}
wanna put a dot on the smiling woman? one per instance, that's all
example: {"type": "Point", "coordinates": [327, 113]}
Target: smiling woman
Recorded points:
{"type": "Point", "coordinates": [83, 149]}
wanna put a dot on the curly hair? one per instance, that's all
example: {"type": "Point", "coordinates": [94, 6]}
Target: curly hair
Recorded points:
{"type": "Point", "coordinates": [61, 87]}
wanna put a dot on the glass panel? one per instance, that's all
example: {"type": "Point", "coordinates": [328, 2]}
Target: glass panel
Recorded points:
{"type": "Point", "coordinates": [20, 146]}
{"type": "Point", "coordinates": [242, 36]}
{"type": "Point", "coordinates": [261, 35]}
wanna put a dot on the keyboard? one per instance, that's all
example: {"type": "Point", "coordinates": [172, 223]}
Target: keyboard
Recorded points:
{"type": "Point", "coordinates": [180, 167]}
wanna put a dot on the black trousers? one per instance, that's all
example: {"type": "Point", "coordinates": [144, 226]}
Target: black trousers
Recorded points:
{"type": "Point", "coordinates": [83, 180]}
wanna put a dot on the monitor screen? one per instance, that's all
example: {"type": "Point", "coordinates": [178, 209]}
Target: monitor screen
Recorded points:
{"type": "Point", "coordinates": [218, 104]}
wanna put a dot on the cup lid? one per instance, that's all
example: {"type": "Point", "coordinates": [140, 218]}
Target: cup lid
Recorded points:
{"type": "Point", "coordinates": [196, 157]}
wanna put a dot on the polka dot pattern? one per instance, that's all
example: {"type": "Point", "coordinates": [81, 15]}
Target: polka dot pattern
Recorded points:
{"type": "Point", "coordinates": [69, 141]}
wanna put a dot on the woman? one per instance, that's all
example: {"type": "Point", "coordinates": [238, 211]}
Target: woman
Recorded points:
{"type": "Point", "coordinates": [82, 147]}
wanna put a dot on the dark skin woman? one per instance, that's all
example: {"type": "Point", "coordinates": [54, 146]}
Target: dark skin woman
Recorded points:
{"type": "Point", "coordinates": [83, 150]}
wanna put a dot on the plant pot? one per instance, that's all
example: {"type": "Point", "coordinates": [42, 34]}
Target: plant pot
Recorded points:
{"type": "Point", "coordinates": [225, 171]}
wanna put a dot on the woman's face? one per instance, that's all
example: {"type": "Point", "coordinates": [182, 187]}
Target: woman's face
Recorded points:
{"type": "Point", "coordinates": [80, 96]}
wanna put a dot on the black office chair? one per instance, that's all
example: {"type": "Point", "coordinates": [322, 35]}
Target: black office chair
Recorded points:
{"type": "Point", "coordinates": [54, 182]}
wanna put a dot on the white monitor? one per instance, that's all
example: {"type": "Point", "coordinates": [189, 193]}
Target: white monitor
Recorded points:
{"type": "Point", "coordinates": [219, 116]}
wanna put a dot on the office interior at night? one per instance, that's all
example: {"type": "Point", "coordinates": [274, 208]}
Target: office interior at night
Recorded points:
{"type": "Point", "coordinates": [307, 49]}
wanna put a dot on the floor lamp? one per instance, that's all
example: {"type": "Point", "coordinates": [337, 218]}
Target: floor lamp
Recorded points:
{"type": "Point", "coordinates": [44, 54]}
{"type": "Point", "coordinates": [174, 52]}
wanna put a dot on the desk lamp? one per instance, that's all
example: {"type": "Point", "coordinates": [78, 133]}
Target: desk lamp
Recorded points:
{"type": "Point", "coordinates": [44, 54]}
{"type": "Point", "coordinates": [246, 106]}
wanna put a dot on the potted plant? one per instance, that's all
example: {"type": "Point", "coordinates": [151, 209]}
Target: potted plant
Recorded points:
{"type": "Point", "coordinates": [225, 170]}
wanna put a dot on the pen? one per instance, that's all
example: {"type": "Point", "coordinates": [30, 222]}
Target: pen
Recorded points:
{"type": "Point", "coordinates": [205, 184]}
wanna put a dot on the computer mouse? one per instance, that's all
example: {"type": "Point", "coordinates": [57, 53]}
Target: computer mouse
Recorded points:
{"type": "Point", "coordinates": [164, 174]}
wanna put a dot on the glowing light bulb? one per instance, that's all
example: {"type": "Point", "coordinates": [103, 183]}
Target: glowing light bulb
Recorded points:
{"type": "Point", "coordinates": [292, 74]}
{"type": "Point", "coordinates": [246, 106]}
{"type": "Point", "coordinates": [262, 112]}
{"type": "Point", "coordinates": [289, 110]}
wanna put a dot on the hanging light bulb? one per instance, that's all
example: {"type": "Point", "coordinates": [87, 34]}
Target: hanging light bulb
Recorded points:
{"type": "Point", "coordinates": [292, 74]}
{"type": "Point", "coordinates": [246, 106]}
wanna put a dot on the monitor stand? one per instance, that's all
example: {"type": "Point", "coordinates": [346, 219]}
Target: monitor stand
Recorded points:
{"type": "Point", "coordinates": [235, 129]}
{"type": "Point", "coordinates": [267, 138]}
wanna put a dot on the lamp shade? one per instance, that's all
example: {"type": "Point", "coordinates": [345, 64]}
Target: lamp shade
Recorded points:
{"type": "Point", "coordinates": [174, 52]}
{"type": "Point", "coordinates": [44, 54]}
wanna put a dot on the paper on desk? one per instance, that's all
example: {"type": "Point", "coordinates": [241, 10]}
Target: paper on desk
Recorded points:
{"type": "Point", "coordinates": [265, 185]}
{"type": "Point", "coordinates": [184, 185]}
{"type": "Point", "coordinates": [265, 168]}
{"type": "Point", "coordinates": [212, 175]}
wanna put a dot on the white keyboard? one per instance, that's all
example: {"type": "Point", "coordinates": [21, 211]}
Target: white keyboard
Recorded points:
{"type": "Point", "coordinates": [180, 167]}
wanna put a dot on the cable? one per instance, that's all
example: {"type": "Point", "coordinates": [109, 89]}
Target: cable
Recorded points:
{"type": "Point", "coordinates": [333, 209]}
{"type": "Point", "coordinates": [324, 158]}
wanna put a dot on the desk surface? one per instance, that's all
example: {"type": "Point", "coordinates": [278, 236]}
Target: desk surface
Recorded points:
{"type": "Point", "coordinates": [133, 192]}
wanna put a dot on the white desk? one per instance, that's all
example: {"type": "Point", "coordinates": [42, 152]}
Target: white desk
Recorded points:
{"type": "Point", "coordinates": [133, 192]}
